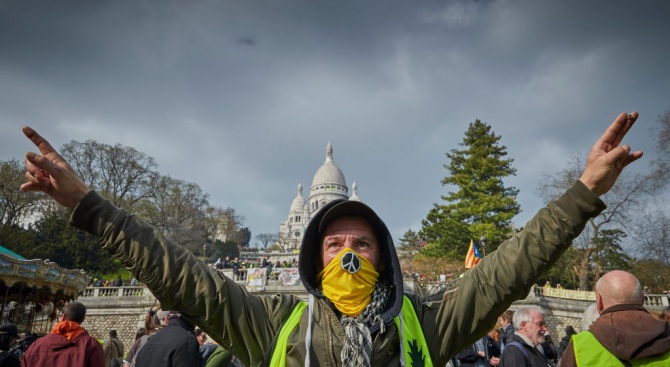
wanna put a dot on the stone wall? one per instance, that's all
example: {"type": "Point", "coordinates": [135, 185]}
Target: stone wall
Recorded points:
{"type": "Point", "coordinates": [122, 309]}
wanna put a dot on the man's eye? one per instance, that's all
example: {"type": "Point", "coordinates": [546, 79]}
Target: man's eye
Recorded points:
{"type": "Point", "coordinates": [363, 244]}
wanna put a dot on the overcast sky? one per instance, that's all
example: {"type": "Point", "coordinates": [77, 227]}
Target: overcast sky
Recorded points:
{"type": "Point", "coordinates": [242, 97]}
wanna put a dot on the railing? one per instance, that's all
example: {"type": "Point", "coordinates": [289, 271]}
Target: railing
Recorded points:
{"type": "Point", "coordinates": [564, 293]}
{"type": "Point", "coordinates": [657, 300]}
{"type": "Point", "coordinates": [652, 300]}
{"type": "Point", "coordinates": [130, 291]}
{"type": "Point", "coordinates": [277, 277]}
{"type": "Point", "coordinates": [253, 278]}
{"type": "Point", "coordinates": [288, 277]}
{"type": "Point", "coordinates": [424, 288]}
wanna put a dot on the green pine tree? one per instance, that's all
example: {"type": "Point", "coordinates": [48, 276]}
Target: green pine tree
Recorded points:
{"type": "Point", "coordinates": [480, 204]}
{"type": "Point", "coordinates": [410, 243]}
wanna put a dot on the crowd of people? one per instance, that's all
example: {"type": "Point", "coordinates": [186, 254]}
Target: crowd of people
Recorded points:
{"type": "Point", "coordinates": [118, 282]}
{"type": "Point", "coordinates": [240, 267]}
{"type": "Point", "coordinates": [261, 262]}
{"type": "Point", "coordinates": [520, 338]}
{"type": "Point", "coordinates": [619, 330]}
{"type": "Point", "coordinates": [167, 339]}
{"type": "Point", "coordinates": [357, 313]}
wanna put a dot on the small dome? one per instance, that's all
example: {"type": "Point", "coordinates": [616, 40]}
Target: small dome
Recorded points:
{"type": "Point", "coordinates": [329, 173]}
{"type": "Point", "coordinates": [299, 202]}
{"type": "Point", "coordinates": [354, 194]}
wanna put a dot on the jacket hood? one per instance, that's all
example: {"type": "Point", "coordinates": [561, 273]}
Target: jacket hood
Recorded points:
{"type": "Point", "coordinates": [58, 342]}
{"type": "Point", "coordinates": [629, 332]}
{"type": "Point", "coordinates": [309, 260]}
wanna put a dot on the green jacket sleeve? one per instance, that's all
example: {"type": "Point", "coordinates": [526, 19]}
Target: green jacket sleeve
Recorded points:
{"type": "Point", "coordinates": [469, 309]}
{"type": "Point", "coordinates": [244, 324]}
{"type": "Point", "coordinates": [220, 358]}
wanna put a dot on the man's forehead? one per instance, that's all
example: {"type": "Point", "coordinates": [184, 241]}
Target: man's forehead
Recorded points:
{"type": "Point", "coordinates": [341, 235]}
{"type": "Point", "coordinates": [348, 225]}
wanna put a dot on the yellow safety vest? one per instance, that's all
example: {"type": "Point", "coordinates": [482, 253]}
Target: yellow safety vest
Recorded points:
{"type": "Point", "coordinates": [411, 335]}
{"type": "Point", "coordinates": [589, 352]}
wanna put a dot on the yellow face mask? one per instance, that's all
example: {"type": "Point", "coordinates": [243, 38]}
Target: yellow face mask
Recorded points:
{"type": "Point", "coordinates": [348, 281]}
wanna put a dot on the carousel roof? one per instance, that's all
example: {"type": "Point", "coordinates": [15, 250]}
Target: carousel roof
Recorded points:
{"type": "Point", "coordinates": [15, 268]}
{"type": "Point", "coordinates": [6, 251]}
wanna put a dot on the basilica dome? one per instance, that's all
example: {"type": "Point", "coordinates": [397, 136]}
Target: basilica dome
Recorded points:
{"type": "Point", "coordinates": [328, 184]}
{"type": "Point", "coordinates": [298, 204]}
{"type": "Point", "coordinates": [329, 173]}
{"type": "Point", "coordinates": [354, 194]}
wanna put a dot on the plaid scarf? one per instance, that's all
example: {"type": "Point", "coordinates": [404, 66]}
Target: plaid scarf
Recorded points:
{"type": "Point", "coordinates": [357, 348]}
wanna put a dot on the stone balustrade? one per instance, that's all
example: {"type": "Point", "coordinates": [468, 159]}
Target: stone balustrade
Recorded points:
{"type": "Point", "coordinates": [126, 291]}
{"type": "Point", "coordinates": [657, 301]}
{"type": "Point", "coordinates": [651, 301]}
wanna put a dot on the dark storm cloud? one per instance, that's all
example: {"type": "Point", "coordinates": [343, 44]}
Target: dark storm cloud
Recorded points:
{"type": "Point", "coordinates": [246, 41]}
{"type": "Point", "coordinates": [242, 97]}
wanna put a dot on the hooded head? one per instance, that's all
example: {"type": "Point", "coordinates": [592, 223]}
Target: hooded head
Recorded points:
{"type": "Point", "coordinates": [311, 261]}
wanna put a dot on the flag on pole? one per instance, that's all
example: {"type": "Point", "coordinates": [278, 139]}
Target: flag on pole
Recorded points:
{"type": "Point", "coordinates": [473, 257]}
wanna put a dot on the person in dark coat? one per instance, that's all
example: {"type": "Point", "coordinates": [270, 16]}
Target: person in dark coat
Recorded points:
{"type": "Point", "coordinates": [480, 354]}
{"type": "Point", "coordinates": [569, 332]}
{"type": "Point", "coordinates": [507, 329]}
{"type": "Point", "coordinates": [469, 357]}
{"type": "Point", "coordinates": [173, 346]}
{"type": "Point", "coordinates": [8, 334]}
{"type": "Point", "coordinates": [492, 348]}
{"type": "Point", "coordinates": [551, 351]}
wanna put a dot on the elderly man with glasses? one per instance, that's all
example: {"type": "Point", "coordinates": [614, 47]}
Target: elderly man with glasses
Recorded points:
{"type": "Point", "coordinates": [521, 349]}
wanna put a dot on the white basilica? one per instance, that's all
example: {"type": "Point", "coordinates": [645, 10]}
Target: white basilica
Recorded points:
{"type": "Point", "coordinates": [328, 184]}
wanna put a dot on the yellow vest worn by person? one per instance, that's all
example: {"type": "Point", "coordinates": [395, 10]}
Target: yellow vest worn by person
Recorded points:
{"type": "Point", "coordinates": [409, 328]}
{"type": "Point", "coordinates": [589, 352]}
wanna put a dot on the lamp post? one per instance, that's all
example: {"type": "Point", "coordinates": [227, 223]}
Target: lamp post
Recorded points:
{"type": "Point", "coordinates": [204, 253]}
{"type": "Point", "coordinates": [482, 242]}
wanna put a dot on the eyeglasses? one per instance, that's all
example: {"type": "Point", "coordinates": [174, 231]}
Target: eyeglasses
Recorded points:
{"type": "Point", "coordinates": [540, 323]}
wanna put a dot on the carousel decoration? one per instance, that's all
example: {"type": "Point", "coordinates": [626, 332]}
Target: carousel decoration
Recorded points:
{"type": "Point", "coordinates": [33, 292]}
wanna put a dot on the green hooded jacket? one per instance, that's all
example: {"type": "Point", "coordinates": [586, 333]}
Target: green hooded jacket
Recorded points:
{"type": "Point", "coordinates": [247, 324]}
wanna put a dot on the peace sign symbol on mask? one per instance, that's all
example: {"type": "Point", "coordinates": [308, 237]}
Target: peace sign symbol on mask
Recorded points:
{"type": "Point", "coordinates": [350, 263]}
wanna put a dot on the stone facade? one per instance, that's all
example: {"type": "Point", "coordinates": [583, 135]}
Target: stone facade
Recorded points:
{"type": "Point", "coordinates": [125, 324]}
{"type": "Point", "coordinates": [122, 309]}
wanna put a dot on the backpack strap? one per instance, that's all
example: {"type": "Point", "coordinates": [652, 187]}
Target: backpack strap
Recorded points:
{"type": "Point", "coordinates": [520, 347]}
{"type": "Point", "coordinates": [116, 346]}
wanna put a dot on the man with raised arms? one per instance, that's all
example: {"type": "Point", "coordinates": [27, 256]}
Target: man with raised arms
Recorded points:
{"type": "Point", "coordinates": [357, 314]}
